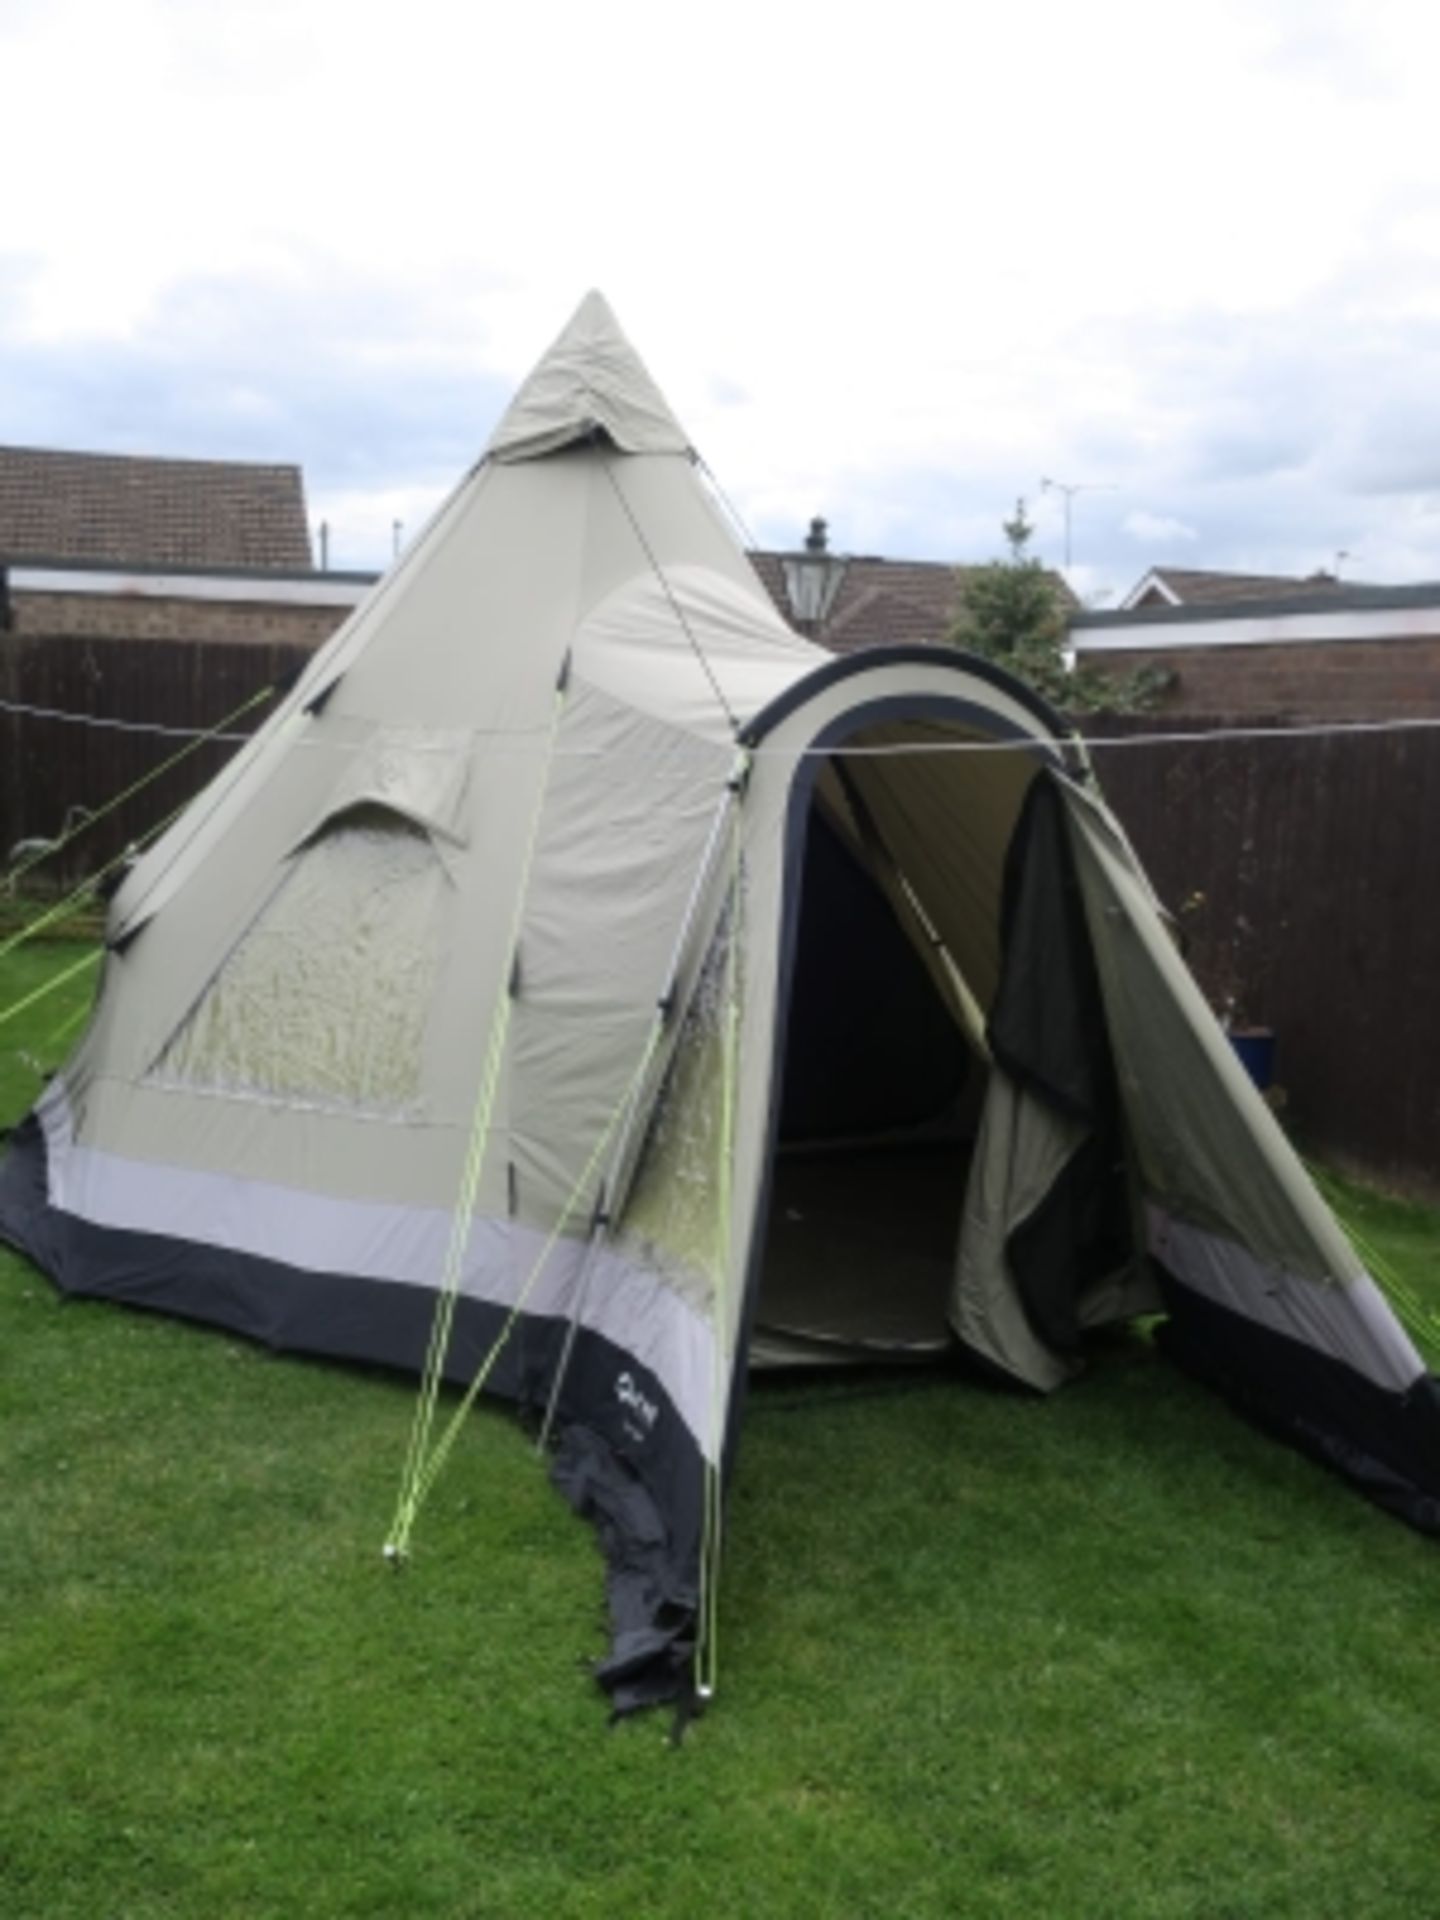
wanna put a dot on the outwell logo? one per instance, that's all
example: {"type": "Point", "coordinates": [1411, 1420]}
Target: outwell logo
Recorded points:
{"type": "Point", "coordinates": [630, 1396]}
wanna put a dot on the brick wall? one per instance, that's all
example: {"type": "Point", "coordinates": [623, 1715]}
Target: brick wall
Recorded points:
{"type": "Point", "coordinates": [1325, 680]}
{"type": "Point", "coordinates": [136, 617]}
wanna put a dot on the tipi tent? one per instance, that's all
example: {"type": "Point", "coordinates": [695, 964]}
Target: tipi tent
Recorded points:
{"type": "Point", "coordinates": [740, 1003]}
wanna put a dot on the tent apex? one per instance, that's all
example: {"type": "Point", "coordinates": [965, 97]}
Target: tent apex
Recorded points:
{"type": "Point", "coordinates": [590, 380]}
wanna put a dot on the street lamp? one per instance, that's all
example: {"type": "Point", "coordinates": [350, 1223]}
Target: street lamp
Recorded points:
{"type": "Point", "coordinates": [812, 579]}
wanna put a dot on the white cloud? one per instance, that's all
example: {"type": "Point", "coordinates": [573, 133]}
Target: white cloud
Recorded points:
{"type": "Point", "coordinates": [893, 276]}
{"type": "Point", "coordinates": [1158, 529]}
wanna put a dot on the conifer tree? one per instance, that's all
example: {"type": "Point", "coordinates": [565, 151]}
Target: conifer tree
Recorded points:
{"type": "Point", "coordinates": [1013, 612]}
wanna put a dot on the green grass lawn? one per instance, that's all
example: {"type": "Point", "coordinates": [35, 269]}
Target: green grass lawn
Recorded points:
{"type": "Point", "coordinates": [1106, 1656]}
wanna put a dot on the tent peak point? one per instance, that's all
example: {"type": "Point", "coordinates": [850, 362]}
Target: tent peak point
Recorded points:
{"type": "Point", "coordinates": [589, 378]}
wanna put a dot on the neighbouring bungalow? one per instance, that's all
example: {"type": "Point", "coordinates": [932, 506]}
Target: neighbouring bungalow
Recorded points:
{"type": "Point", "coordinates": [1205, 587]}
{"type": "Point", "coordinates": [1304, 650]}
{"type": "Point", "coordinates": [108, 546]}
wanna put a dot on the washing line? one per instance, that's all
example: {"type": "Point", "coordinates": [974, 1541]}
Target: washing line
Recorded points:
{"type": "Point", "coordinates": [153, 727]}
{"type": "Point", "coordinates": [532, 739]}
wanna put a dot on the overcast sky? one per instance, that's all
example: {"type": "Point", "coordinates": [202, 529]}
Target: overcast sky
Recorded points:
{"type": "Point", "coordinates": [890, 264]}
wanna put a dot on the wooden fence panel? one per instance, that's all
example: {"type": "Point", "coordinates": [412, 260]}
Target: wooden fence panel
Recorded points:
{"type": "Point", "coordinates": [1304, 871]}
{"type": "Point", "coordinates": [51, 770]}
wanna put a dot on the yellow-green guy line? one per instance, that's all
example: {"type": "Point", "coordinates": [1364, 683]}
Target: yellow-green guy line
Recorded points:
{"type": "Point", "coordinates": [86, 887]}
{"type": "Point", "coordinates": [429, 1472]}
{"type": "Point", "coordinates": [442, 1323]}
{"type": "Point", "coordinates": [91, 959]}
{"type": "Point", "coordinates": [66, 1027]}
{"type": "Point", "coordinates": [1420, 1320]}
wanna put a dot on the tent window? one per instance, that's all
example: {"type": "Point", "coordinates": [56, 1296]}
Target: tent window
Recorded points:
{"type": "Point", "coordinates": [324, 1000]}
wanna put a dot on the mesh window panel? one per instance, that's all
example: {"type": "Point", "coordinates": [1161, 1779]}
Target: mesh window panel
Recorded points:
{"type": "Point", "coordinates": [325, 999]}
{"type": "Point", "coordinates": [672, 1218]}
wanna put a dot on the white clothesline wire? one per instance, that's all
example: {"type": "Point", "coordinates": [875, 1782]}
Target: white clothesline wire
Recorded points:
{"type": "Point", "coordinates": [117, 726]}
{"type": "Point", "coordinates": [1196, 736]}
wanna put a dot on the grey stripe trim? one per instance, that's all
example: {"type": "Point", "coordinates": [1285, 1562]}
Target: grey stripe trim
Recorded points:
{"type": "Point", "coordinates": [627, 1303]}
{"type": "Point", "coordinates": [1351, 1321]}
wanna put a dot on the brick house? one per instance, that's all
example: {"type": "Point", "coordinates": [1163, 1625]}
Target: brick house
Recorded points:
{"type": "Point", "coordinates": [105, 509]}
{"type": "Point", "coordinates": [1165, 587]}
{"type": "Point", "coordinates": [119, 547]}
{"type": "Point", "coordinates": [1336, 651]}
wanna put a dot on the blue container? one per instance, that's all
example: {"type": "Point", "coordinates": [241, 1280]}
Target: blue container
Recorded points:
{"type": "Point", "coordinates": [1255, 1050]}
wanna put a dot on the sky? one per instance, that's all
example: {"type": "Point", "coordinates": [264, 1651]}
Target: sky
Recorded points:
{"type": "Point", "coordinates": [897, 265]}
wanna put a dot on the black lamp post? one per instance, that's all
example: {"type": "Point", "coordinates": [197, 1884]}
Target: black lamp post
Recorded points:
{"type": "Point", "coordinates": [812, 579]}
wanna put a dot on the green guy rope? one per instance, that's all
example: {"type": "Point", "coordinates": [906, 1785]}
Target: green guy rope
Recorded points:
{"type": "Point", "coordinates": [63, 1032]}
{"type": "Point", "coordinates": [411, 1492]}
{"type": "Point", "coordinates": [429, 1470]}
{"type": "Point", "coordinates": [91, 959]}
{"type": "Point", "coordinates": [1420, 1320]}
{"type": "Point", "coordinates": [71, 901]}
{"type": "Point", "coordinates": [425, 1462]}
{"type": "Point", "coordinates": [86, 888]}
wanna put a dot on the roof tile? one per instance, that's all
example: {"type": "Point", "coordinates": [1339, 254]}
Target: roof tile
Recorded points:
{"type": "Point", "coordinates": [123, 510]}
{"type": "Point", "coordinates": [884, 603]}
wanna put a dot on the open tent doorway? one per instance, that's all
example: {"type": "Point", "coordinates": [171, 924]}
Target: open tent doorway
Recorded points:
{"type": "Point", "coordinates": [948, 1168]}
{"type": "Point", "coordinates": [881, 1092]}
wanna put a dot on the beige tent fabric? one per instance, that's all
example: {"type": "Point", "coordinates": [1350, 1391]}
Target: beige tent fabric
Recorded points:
{"type": "Point", "coordinates": [591, 377]}
{"type": "Point", "coordinates": [615, 866]}
{"type": "Point", "coordinates": [1208, 1146]}
{"type": "Point", "coordinates": [1230, 1209]}
{"type": "Point", "coordinates": [1021, 1151]}
{"type": "Point", "coordinates": [946, 816]}
{"type": "Point", "coordinates": [521, 722]}
{"type": "Point", "coordinates": [676, 644]}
